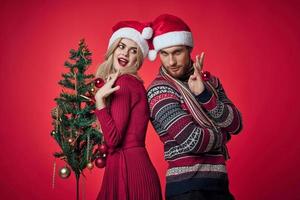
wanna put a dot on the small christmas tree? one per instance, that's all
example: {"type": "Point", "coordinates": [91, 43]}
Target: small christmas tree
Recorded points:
{"type": "Point", "coordinates": [75, 127]}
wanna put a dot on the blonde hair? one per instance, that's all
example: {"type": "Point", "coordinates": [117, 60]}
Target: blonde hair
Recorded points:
{"type": "Point", "coordinates": [106, 68]}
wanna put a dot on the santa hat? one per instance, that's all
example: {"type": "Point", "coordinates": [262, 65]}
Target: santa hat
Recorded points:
{"type": "Point", "coordinates": [169, 30]}
{"type": "Point", "coordinates": [134, 30]}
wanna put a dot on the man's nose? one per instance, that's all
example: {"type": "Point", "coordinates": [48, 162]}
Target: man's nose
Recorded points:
{"type": "Point", "coordinates": [172, 60]}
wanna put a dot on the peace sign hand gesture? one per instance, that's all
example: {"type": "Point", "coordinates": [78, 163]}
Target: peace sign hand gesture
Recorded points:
{"type": "Point", "coordinates": [195, 81]}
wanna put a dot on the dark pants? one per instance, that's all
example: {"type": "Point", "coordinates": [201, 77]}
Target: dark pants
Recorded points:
{"type": "Point", "coordinates": [202, 195]}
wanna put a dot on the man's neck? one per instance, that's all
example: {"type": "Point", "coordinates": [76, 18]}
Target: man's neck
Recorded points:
{"type": "Point", "coordinates": [190, 70]}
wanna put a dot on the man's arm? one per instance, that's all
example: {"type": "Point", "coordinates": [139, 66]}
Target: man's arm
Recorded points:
{"type": "Point", "coordinates": [169, 118]}
{"type": "Point", "coordinates": [220, 109]}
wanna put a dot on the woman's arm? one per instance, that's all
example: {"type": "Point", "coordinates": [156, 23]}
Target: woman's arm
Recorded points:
{"type": "Point", "coordinates": [114, 120]}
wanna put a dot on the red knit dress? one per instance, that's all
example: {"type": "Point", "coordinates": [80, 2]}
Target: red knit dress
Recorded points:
{"type": "Point", "coordinates": [129, 172]}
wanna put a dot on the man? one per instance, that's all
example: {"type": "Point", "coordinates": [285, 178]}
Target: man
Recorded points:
{"type": "Point", "coordinates": [191, 114]}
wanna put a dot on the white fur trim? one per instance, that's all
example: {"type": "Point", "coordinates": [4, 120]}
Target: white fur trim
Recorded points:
{"type": "Point", "coordinates": [152, 55]}
{"type": "Point", "coordinates": [172, 39]}
{"type": "Point", "coordinates": [147, 33]}
{"type": "Point", "coordinates": [132, 34]}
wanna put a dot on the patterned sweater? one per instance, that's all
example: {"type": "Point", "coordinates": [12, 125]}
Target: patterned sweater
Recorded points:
{"type": "Point", "coordinates": [193, 153]}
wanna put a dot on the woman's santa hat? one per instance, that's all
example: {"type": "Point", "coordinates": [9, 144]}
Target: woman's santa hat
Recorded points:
{"type": "Point", "coordinates": [169, 31]}
{"type": "Point", "coordinates": [134, 30]}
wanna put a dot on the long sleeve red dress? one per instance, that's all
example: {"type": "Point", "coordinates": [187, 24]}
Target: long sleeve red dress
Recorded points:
{"type": "Point", "coordinates": [129, 173]}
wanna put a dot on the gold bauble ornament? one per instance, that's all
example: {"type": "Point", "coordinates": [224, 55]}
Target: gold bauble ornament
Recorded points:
{"type": "Point", "coordinates": [56, 113]}
{"type": "Point", "coordinates": [70, 140]}
{"type": "Point", "coordinates": [90, 166]}
{"type": "Point", "coordinates": [53, 133]}
{"type": "Point", "coordinates": [64, 172]}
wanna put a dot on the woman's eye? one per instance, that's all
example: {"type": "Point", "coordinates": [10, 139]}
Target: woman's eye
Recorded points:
{"type": "Point", "coordinates": [121, 46]}
{"type": "Point", "coordinates": [134, 51]}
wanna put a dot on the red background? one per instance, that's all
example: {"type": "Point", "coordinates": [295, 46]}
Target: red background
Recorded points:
{"type": "Point", "coordinates": [252, 46]}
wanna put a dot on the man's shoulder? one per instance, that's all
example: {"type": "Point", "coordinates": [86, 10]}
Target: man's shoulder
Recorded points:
{"type": "Point", "coordinates": [159, 82]}
{"type": "Point", "coordinates": [159, 88]}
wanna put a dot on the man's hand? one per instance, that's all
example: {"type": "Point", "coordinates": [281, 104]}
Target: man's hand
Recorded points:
{"type": "Point", "coordinates": [195, 81]}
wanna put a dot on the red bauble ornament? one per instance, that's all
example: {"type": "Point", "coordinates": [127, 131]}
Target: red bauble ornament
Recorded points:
{"type": "Point", "coordinates": [103, 148]}
{"type": "Point", "coordinates": [100, 162]}
{"type": "Point", "coordinates": [99, 82]}
{"type": "Point", "coordinates": [90, 103]}
{"type": "Point", "coordinates": [92, 98]}
{"type": "Point", "coordinates": [205, 75]}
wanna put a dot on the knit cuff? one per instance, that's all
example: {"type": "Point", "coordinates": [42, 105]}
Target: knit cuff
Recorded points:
{"type": "Point", "coordinates": [204, 97]}
{"type": "Point", "coordinates": [102, 114]}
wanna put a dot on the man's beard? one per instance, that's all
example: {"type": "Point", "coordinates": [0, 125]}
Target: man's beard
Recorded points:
{"type": "Point", "coordinates": [188, 72]}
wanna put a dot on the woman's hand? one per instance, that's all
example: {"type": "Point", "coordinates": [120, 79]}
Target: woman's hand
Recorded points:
{"type": "Point", "coordinates": [106, 90]}
{"type": "Point", "coordinates": [195, 81]}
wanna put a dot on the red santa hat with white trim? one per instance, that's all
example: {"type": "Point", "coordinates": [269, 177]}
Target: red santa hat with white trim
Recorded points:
{"type": "Point", "coordinates": [134, 30]}
{"type": "Point", "coordinates": [169, 30]}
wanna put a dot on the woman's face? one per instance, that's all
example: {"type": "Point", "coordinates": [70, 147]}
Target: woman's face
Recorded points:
{"type": "Point", "coordinates": [125, 54]}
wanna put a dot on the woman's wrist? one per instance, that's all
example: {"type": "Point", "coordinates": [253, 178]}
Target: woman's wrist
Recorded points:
{"type": "Point", "coordinates": [100, 103]}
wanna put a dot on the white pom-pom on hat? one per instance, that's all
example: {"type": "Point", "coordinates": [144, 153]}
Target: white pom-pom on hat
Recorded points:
{"type": "Point", "coordinates": [152, 55]}
{"type": "Point", "coordinates": [147, 33]}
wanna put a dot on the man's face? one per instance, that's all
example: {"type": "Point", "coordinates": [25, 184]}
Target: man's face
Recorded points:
{"type": "Point", "coordinates": [175, 59]}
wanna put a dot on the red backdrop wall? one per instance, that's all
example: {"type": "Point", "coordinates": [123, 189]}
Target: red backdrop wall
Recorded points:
{"type": "Point", "coordinates": [253, 46]}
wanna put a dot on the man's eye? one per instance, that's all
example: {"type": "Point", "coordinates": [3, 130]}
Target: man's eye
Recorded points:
{"type": "Point", "coordinates": [163, 53]}
{"type": "Point", "coordinates": [177, 52]}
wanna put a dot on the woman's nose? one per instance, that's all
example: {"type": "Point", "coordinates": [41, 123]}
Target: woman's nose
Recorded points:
{"type": "Point", "coordinates": [126, 52]}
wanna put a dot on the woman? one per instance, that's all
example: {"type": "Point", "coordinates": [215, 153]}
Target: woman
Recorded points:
{"type": "Point", "coordinates": [123, 113]}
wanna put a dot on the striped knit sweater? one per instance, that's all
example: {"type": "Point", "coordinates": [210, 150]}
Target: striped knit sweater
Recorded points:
{"type": "Point", "coordinates": [193, 153]}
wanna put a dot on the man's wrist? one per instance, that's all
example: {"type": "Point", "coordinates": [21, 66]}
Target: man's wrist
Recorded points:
{"type": "Point", "coordinates": [204, 96]}
{"type": "Point", "coordinates": [197, 93]}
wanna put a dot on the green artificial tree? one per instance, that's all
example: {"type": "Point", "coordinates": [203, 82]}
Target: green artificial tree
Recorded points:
{"type": "Point", "coordinates": [75, 127]}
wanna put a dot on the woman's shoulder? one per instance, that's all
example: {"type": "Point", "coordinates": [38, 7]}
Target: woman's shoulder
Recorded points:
{"type": "Point", "coordinates": [131, 84]}
{"type": "Point", "coordinates": [127, 79]}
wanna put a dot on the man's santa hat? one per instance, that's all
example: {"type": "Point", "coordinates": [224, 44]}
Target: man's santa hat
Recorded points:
{"type": "Point", "coordinates": [169, 30]}
{"type": "Point", "coordinates": [134, 30]}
